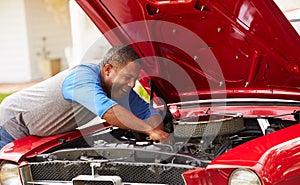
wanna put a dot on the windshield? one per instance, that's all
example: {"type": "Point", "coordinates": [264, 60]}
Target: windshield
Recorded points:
{"type": "Point", "coordinates": [291, 9]}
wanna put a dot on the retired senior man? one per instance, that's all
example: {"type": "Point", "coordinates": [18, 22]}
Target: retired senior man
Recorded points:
{"type": "Point", "coordinates": [75, 96]}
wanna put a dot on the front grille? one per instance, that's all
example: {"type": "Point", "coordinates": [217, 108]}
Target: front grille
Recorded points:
{"type": "Point", "coordinates": [143, 173]}
{"type": "Point", "coordinates": [95, 183]}
{"type": "Point", "coordinates": [129, 172]}
{"type": "Point", "coordinates": [59, 171]}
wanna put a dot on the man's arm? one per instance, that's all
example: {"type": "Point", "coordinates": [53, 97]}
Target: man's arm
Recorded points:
{"type": "Point", "coordinates": [122, 118]}
{"type": "Point", "coordinates": [82, 86]}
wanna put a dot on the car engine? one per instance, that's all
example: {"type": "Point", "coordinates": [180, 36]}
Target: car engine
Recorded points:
{"type": "Point", "coordinates": [136, 159]}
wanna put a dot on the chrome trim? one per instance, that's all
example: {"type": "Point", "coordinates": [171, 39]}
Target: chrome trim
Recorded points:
{"type": "Point", "coordinates": [231, 100]}
{"type": "Point", "coordinates": [70, 183]}
{"type": "Point", "coordinates": [79, 180]}
{"type": "Point", "coordinates": [50, 183]}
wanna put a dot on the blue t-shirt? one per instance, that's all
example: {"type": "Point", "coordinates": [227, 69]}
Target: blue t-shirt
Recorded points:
{"type": "Point", "coordinates": [83, 85]}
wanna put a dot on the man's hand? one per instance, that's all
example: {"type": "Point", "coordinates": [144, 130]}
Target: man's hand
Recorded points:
{"type": "Point", "coordinates": [122, 118]}
{"type": "Point", "coordinates": [158, 135]}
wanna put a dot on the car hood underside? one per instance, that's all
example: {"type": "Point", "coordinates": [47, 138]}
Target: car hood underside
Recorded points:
{"type": "Point", "coordinates": [222, 49]}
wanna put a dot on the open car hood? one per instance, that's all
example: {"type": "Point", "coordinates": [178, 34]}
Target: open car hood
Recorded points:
{"type": "Point", "coordinates": [206, 49]}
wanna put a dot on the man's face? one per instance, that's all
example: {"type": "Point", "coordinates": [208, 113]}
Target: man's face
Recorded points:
{"type": "Point", "coordinates": [121, 80]}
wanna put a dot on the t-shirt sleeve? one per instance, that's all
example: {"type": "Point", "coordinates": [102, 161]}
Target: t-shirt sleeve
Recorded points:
{"type": "Point", "coordinates": [82, 85]}
{"type": "Point", "coordinates": [140, 107]}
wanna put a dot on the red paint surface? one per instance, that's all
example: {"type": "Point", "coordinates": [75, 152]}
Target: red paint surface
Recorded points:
{"type": "Point", "coordinates": [244, 48]}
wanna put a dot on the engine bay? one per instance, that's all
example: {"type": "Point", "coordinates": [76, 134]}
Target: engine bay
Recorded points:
{"type": "Point", "coordinates": [197, 141]}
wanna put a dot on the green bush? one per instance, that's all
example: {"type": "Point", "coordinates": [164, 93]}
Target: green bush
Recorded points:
{"type": "Point", "coordinates": [142, 92]}
{"type": "Point", "coordinates": [2, 96]}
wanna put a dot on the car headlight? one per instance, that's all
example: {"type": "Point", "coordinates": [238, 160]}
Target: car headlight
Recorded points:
{"type": "Point", "coordinates": [243, 176]}
{"type": "Point", "coordinates": [9, 174]}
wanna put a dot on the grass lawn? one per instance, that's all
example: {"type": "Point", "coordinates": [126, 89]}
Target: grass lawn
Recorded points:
{"type": "Point", "coordinates": [2, 96]}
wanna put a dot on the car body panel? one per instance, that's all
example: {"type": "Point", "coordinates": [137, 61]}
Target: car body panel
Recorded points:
{"type": "Point", "coordinates": [273, 157]}
{"type": "Point", "coordinates": [30, 146]}
{"type": "Point", "coordinates": [261, 148]}
{"type": "Point", "coordinates": [229, 48]}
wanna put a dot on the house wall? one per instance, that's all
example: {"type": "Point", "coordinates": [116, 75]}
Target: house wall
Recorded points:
{"type": "Point", "coordinates": [23, 24]}
{"type": "Point", "coordinates": [42, 21]}
{"type": "Point", "coordinates": [89, 45]}
{"type": "Point", "coordinates": [14, 57]}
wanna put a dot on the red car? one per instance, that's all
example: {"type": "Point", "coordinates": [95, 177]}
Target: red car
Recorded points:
{"type": "Point", "coordinates": [224, 74]}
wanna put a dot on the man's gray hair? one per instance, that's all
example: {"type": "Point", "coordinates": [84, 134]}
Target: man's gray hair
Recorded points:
{"type": "Point", "coordinates": [120, 56]}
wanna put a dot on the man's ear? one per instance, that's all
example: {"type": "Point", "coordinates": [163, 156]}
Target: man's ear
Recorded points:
{"type": "Point", "coordinates": [107, 69]}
